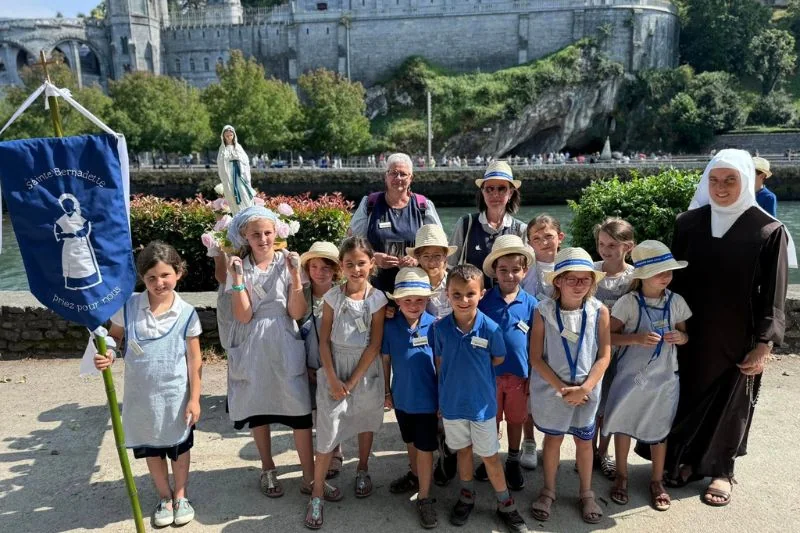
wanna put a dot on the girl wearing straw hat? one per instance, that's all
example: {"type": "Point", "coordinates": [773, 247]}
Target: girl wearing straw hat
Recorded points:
{"type": "Point", "coordinates": [649, 323]}
{"type": "Point", "coordinates": [498, 198]}
{"type": "Point", "coordinates": [321, 266]}
{"type": "Point", "coordinates": [431, 251]}
{"type": "Point", "coordinates": [570, 350]}
{"type": "Point", "coordinates": [411, 388]}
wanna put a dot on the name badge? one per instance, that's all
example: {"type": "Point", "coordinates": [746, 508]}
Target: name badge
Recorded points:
{"type": "Point", "coordinates": [361, 325]}
{"type": "Point", "coordinates": [384, 225]}
{"type": "Point", "coordinates": [661, 324]}
{"type": "Point", "coordinates": [571, 336]}
{"type": "Point", "coordinates": [259, 290]}
{"type": "Point", "coordinates": [479, 342]}
{"type": "Point", "coordinates": [523, 326]}
{"type": "Point", "coordinates": [135, 348]}
{"type": "Point", "coordinates": [419, 341]}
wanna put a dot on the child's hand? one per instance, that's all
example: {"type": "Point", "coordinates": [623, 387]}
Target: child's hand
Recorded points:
{"type": "Point", "coordinates": [387, 402]}
{"type": "Point", "coordinates": [676, 337]}
{"type": "Point", "coordinates": [338, 390]}
{"type": "Point", "coordinates": [101, 362]}
{"type": "Point", "coordinates": [574, 395]}
{"type": "Point", "coordinates": [235, 269]}
{"type": "Point", "coordinates": [293, 262]}
{"type": "Point", "coordinates": [389, 311]}
{"type": "Point", "coordinates": [192, 414]}
{"type": "Point", "coordinates": [648, 339]}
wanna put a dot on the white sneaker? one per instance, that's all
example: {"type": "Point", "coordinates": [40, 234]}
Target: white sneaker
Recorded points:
{"type": "Point", "coordinates": [528, 457]}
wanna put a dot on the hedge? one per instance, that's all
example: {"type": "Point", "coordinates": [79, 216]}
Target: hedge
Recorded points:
{"type": "Point", "coordinates": [181, 223]}
{"type": "Point", "coordinates": [649, 203]}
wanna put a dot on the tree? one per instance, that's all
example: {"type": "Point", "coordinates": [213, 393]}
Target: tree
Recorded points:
{"type": "Point", "coordinates": [265, 112]}
{"type": "Point", "coordinates": [772, 58]}
{"type": "Point", "coordinates": [773, 109]}
{"type": "Point", "coordinates": [159, 113]}
{"type": "Point", "coordinates": [720, 106]}
{"type": "Point", "coordinates": [717, 33]}
{"type": "Point", "coordinates": [99, 12]}
{"type": "Point", "coordinates": [334, 118]}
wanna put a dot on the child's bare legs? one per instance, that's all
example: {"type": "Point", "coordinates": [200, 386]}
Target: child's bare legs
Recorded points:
{"type": "Point", "coordinates": [527, 428]}
{"type": "Point", "coordinates": [305, 452]}
{"type": "Point", "coordinates": [424, 471]}
{"type": "Point", "coordinates": [364, 449]}
{"type": "Point", "coordinates": [658, 494]}
{"type": "Point", "coordinates": [413, 460]}
{"type": "Point", "coordinates": [551, 455]}
{"type": "Point", "coordinates": [622, 446]}
{"type": "Point", "coordinates": [585, 457]}
{"type": "Point", "coordinates": [320, 471]}
{"type": "Point", "coordinates": [180, 471]}
{"type": "Point", "coordinates": [464, 456]}
{"type": "Point", "coordinates": [515, 434]}
{"type": "Point", "coordinates": [160, 475]}
{"type": "Point", "coordinates": [263, 438]}
{"type": "Point", "coordinates": [495, 472]}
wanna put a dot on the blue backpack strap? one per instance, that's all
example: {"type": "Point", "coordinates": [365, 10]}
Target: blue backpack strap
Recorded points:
{"type": "Point", "coordinates": [635, 330]}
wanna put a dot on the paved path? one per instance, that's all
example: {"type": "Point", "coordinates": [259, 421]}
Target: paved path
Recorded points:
{"type": "Point", "coordinates": [59, 470]}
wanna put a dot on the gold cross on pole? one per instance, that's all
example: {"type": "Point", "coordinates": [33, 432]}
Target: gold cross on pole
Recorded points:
{"type": "Point", "coordinates": [52, 100]}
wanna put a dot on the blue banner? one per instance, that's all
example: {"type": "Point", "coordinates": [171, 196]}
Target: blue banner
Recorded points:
{"type": "Point", "coordinates": [67, 201]}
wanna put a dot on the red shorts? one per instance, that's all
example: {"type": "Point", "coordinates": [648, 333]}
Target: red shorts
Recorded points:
{"type": "Point", "coordinates": [512, 398]}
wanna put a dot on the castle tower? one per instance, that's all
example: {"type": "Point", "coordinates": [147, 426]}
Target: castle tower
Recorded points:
{"type": "Point", "coordinates": [135, 35]}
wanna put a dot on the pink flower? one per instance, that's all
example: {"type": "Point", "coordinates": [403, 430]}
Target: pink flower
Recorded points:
{"type": "Point", "coordinates": [282, 228]}
{"type": "Point", "coordinates": [222, 224]}
{"type": "Point", "coordinates": [285, 209]}
{"type": "Point", "coordinates": [258, 201]}
{"type": "Point", "coordinates": [208, 240]}
{"type": "Point", "coordinates": [220, 204]}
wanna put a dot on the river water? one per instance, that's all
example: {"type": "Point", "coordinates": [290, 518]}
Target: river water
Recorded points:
{"type": "Point", "coordinates": [12, 273]}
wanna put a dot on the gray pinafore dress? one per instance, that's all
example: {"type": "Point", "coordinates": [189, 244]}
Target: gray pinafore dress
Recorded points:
{"type": "Point", "coordinates": [267, 360]}
{"type": "Point", "coordinates": [309, 331]}
{"type": "Point", "coordinates": [362, 410]}
{"type": "Point", "coordinates": [643, 398]}
{"type": "Point", "coordinates": [571, 362]}
{"type": "Point", "coordinates": [156, 383]}
{"type": "Point", "coordinates": [534, 282]}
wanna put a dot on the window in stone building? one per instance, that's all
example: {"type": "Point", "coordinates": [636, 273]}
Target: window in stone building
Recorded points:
{"type": "Point", "coordinates": [217, 33]}
{"type": "Point", "coordinates": [123, 41]}
{"type": "Point", "coordinates": [178, 66]}
{"type": "Point", "coordinates": [220, 61]}
{"type": "Point", "coordinates": [204, 34]}
{"type": "Point", "coordinates": [2, 66]}
{"type": "Point", "coordinates": [206, 64]}
{"type": "Point", "coordinates": [306, 31]}
{"type": "Point", "coordinates": [191, 64]}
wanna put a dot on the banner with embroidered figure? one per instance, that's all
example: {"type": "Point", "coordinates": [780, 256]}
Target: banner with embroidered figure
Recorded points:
{"type": "Point", "coordinates": [78, 261]}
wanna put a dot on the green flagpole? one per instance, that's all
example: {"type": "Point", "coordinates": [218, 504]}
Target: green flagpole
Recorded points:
{"type": "Point", "coordinates": [108, 379]}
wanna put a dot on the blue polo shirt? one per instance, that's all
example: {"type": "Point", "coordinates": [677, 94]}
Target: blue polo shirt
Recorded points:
{"type": "Point", "coordinates": [467, 388]}
{"type": "Point", "coordinates": [510, 317]}
{"type": "Point", "coordinates": [413, 371]}
{"type": "Point", "coordinates": [768, 201]}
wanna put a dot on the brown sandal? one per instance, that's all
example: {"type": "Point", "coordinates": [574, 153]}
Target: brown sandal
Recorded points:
{"type": "Point", "coordinates": [659, 498]}
{"type": "Point", "coordinates": [590, 511]}
{"type": "Point", "coordinates": [725, 495]}
{"type": "Point", "coordinates": [619, 492]}
{"type": "Point", "coordinates": [540, 509]}
{"type": "Point", "coordinates": [335, 467]}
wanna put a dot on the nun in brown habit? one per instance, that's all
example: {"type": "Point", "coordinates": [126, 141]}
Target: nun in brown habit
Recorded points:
{"type": "Point", "coordinates": [735, 286]}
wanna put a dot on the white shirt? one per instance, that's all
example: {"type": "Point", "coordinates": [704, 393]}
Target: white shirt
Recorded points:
{"type": "Point", "coordinates": [150, 326]}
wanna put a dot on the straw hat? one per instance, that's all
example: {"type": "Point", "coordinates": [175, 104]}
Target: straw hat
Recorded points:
{"type": "Point", "coordinates": [507, 245]}
{"type": "Point", "coordinates": [410, 281]}
{"type": "Point", "coordinates": [499, 170]}
{"type": "Point", "coordinates": [573, 260]}
{"type": "Point", "coordinates": [762, 165]}
{"type": "Point", "coordinates": [431, 235]}
{"type": "Point", "coordinates": [653, 257]}
{"type": "Point", "coordinates": [320, 250]}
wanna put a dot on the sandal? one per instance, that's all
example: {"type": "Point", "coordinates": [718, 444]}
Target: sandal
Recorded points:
{"type": "Point", "coordinates": [619, 492]}
{"type": "Point", "coordinates": [335, 466]}
{"type": "Point", "coordinates": [719, 493]}
{"type": "Point", "coordinates": [590, 511]}
{"type": "Point", "coordinates": [608, 466]}
{"type": "Point", "coordinates": [329, 492]}
{"type": "Point", "coordinates": [540, 509]}
{"type": "Point", "coordinates": [314, 514]}
{"type": "Point", "coordinates": [685, 476]}
{"type": "Point", "coordinates": [363, 484]}
{"type": "Point", "coordinates": [659, 498]}
{"type": "Point", "coordinates": [270, 485]}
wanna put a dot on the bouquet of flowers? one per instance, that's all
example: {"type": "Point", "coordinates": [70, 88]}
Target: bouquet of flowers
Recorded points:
{"type": "Point", "coordinates": [216, 239]}
{"type": "Point", "coordinates": [286, 225]}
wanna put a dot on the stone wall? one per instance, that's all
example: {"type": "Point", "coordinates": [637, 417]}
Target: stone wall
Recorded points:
{"type": "Point", "coordinates": [764, 143]}
{"type": "Point", "coordinates": [29, 330]}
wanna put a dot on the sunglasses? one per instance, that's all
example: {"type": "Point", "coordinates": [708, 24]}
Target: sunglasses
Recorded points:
{"type": "Point", "coordinates": [499, 189]}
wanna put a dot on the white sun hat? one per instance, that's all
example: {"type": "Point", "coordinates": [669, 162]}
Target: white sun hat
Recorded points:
{"type": "Point", "coordinates": [431, 235]}
{"type": "Point", "coordinates": [653, 257]}
{"type": "Point", "coordinates": [411, 281]}
{"type": "Point", "coordinates": [320, 250]}
{"type": "Point", "coordinates": [573, 260]}
{"type": "Point", "coordinates": [499, 170]}
{"type": "Point", "coordinates": [507, 245]}
{"type": "Point", "coordinates": [762, 165]}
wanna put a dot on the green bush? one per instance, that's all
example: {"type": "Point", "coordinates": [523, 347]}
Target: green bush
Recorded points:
{"type": "Point", "coordinates": [775, 109]}
{"type": "Point", "coordinates": [181, 223]}
{"type": "Point", "coordinates": [650, 203]}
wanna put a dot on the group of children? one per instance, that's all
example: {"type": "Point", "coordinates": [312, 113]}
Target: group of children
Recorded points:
{"type": "Point", "coordinates": [452, 359]}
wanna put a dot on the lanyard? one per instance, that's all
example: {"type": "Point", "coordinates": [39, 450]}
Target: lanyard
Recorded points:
{"type": "Point", "coordinates": [665, 316]}
{"type": "Point", "coordinates": [573, 363]}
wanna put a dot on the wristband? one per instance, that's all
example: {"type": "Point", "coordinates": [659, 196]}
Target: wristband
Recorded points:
{"type": "Point", "coordinates": [238, 288]}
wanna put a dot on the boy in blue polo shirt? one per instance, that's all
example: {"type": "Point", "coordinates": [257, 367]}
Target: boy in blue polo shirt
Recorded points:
{"type": "Point", "coordinates": [512, 308]}
{"type": "Point", "coordinates": [408, 363]}
{"type": "Point", "coordinates": [467, 345]}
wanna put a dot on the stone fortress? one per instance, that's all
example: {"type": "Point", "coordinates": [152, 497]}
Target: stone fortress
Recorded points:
{"type": "Point", "coordinates": [365, 40]}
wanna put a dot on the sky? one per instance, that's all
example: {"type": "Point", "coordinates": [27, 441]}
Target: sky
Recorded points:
{"type": "Point", "coordinates": [45, 8]}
